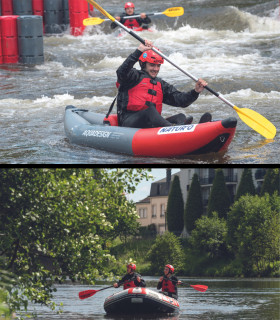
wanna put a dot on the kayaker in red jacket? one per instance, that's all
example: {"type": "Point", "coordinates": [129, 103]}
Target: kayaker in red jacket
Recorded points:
{"type": "Point", "coordinates": [141, 93]}
{"type": "Point", "coordinates": [168, 282]}
{"type": "Point", "coordinates": [133, 23]}
{"type": "Point", "coordinates": [131, 279]}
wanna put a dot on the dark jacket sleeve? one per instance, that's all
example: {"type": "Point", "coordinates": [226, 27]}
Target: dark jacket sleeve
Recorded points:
{"type": "Point", "coordinates": [141, 21]}
{"type": "Point", "coordinates": [114, 25]}
{"type": "Point", "coordinates": [176, 98]}
{"type": "Point", "coordinates": [126, 73]}
{"type": "Point", "coordinates": [159, 285]}
{"type": "Point", "coordinates": [142, 282]}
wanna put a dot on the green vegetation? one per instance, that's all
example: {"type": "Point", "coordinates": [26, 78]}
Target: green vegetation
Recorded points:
{"type": "Point", "coordinates": [219, 199]}
{"type": "Point", "coordinates": [175, 208]}
{"type": "Point", "coordinates": [165, 250]}
{"type": "Point", "coordinates": [194, 205]}
{"type": "Point", "coordinates": [61, 222]}
{"type": "Point", "coordinates": [246, 185]}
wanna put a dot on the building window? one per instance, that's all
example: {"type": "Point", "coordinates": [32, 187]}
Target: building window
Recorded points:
{"type": "Point", "coordinates": [143, 213]}
{"type": "Point", "coordinates": [162, 210]}
{"type": "Point", "coordinates": [154, 211]}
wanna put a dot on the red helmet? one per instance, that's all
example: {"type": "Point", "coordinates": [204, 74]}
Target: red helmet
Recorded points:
{"type": "Point", "coordinates": [132, 266]}
{"type": "Point", "coordinates": [152, 57]}
{"type": "Point", "coordinates": [129, 5]}
{"type": "Point", "coordinates": [170, 267]}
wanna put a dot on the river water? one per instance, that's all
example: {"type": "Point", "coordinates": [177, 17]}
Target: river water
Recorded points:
{"type": "Point", "coordinates": [233, 44]}
{"type": "Point", "coordinates": [233, 299]}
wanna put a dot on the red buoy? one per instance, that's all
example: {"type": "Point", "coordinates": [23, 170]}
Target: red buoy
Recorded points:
{"type": "Point", "coordinates": [8, 26]}
{"type": "Point", "coordinates": [1, 57]}
{"type": "Point", "coordinates": [78, 11]}
{"type": "Point", "coordinates": [7, 7]}
{"type": "Point", "coordinates": [38, 7]}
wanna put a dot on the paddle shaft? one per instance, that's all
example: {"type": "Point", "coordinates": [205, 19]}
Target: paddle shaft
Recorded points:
{"type": "Point", "coordinates": [197, 287]}
{"type": "Point", "coordinates": [89, 293]}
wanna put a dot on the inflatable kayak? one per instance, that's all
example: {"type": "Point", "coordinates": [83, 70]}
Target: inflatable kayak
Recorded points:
{"type": "Point", "coordinates": [140, 300]}
{"type": "Point", "coordinates": [91, 129]}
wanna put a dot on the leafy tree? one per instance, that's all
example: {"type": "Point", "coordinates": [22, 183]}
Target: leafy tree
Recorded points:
{"type": "Point", "coordinates": [253, 224]}
{"type": "Point", "coordinates": [271, 181]}
{"type": "Point", "coordinates": [175, 208]}
{"type": "Point", "coordinates": [246, 185]}
{"type": "Point", "coordinates": [60, 222]}
{"type": "Point", "coordinates": [209, 235]}
{"type": "Point", "coordinates": [194, 205]}
{"type": "Point", "coordinates": [219, 199]}
{"type": "Point", "coordinates": [165, 250]}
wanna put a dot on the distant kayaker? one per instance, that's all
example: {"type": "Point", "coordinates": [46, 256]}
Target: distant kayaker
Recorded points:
{"type": "Point", "coordinates": [131, 279]}
{"type": "Point", "coordinates": [168, 282]}
{"type": "Point", "coordinates": [133, 23]}
{"type": "Point", "coordinates": [142, 93]}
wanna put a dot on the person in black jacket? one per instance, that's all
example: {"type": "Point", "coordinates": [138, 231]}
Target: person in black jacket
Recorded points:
{"type": "Point", "coordinates": [168, 282]}
{"type": "Point", "coordinates": [131, 279]}
{"type": "Point", "coordinates": [132, 23]}
{"type": "Point", "coordinates": [141, 93]}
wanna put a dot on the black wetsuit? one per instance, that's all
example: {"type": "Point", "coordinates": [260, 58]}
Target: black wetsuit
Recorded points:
{"type": "Point", "coordinates": [128, 77]}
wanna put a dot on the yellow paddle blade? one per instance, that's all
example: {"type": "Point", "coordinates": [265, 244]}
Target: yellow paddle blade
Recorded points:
{"type": "Point", "coordinates": [104, 12]}
{"type": "Point", "coordinates": [92, 21]}
{"type": "Point", "coordinates": [256, 122]}
{"type": "Point", "coordinates": [174, 12]}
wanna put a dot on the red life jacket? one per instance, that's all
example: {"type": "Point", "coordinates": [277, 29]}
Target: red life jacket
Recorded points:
{"type": "Point", "coordinates": [129, 284]}
{"type": "Point", "coordinates": [168, 286]}
{"type": "Point", "coordinates": [131, 23]}
{"type": "Point", "coordinates": [146, 93]}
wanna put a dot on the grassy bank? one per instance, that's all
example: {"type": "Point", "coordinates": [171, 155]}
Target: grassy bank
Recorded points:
{"type": "Point", "coordinates": [195, 263]}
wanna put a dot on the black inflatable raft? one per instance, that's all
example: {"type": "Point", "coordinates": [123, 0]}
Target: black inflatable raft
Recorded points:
{"type": "Point", "coordinates": [92, 129]}
{"type": "Point", "coordinates": [140, 300]}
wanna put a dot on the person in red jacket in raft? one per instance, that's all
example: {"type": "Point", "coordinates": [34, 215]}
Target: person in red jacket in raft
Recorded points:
{"type": "Point", "coordinates": [133, 23]}
{"type": "Point", "coordinates": [141, 93]}
{"type": "Point", "coordinates": [168, 282]}
{"type": "Point", "coordinates": [131, 279]}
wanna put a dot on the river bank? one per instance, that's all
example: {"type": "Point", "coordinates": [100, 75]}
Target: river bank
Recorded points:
{"type": "Point", "coordinates": [195, 263]}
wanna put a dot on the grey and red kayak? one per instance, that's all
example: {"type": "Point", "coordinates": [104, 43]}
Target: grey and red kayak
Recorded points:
{"type": "Point", "coordinates": [87, 128]}
{"type": "Point", "coordinates": [140, 301]}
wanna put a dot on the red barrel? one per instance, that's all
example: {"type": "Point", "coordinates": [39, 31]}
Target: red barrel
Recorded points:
{"type": "Point", "coordinates": [1, 57]}
{"type": "Point", "coordinates": [78, 11]}
{"type": "Point", "coordinates": [7, 7]}
{"type": "Point", "coordinates": [38, 7]}
{"type": "Point", "coordinates": [8, 26]}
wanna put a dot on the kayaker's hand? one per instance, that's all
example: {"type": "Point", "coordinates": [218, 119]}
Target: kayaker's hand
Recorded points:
{"type": "Point", "coordinates": [160, 279]}
{"type": "Point", "coordinates": [148, 45]}
{"type": "Point", "coordinates": [115, 285]}
{"type": "Point", "coordinates": [199, 86]}
{"type": "Point", "coordinates": [138, 279]}
{"type": "Point", "coordinates": [179, 282]}
{"type": "Point", "coordinates": [143, 15]}
{"type": "Point", "coordinates": [118, 18]}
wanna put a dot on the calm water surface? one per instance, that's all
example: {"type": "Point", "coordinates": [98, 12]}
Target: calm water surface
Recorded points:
{"type": "Point", "coordinates": [257, 299]}
{"type": "Point", "coordinates": [233, 44]}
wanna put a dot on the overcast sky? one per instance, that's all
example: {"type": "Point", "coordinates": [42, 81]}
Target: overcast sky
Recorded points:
{"type": "Point", "coordinates": [143, 189]}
